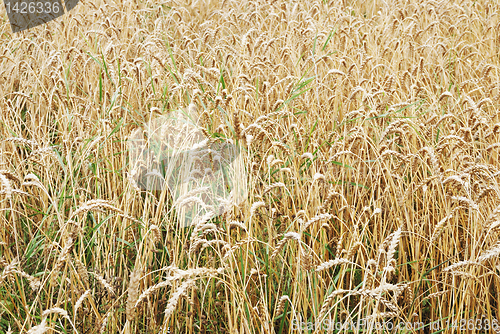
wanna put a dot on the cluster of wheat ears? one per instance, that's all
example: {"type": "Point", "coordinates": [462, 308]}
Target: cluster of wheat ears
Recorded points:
{"type": "Point", "coordinates": [371, 137]}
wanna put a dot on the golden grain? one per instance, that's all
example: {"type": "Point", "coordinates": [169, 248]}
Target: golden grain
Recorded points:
{"type": "Point", "coordinates": [370, 135]}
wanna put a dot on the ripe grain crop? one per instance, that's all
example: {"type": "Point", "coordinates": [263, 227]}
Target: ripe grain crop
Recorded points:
{"type": "Point", "coordinates": [370, 135]}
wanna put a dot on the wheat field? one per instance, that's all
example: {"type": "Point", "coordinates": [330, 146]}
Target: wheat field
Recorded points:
{"type": "Point", "coordinates": [370, 135]}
